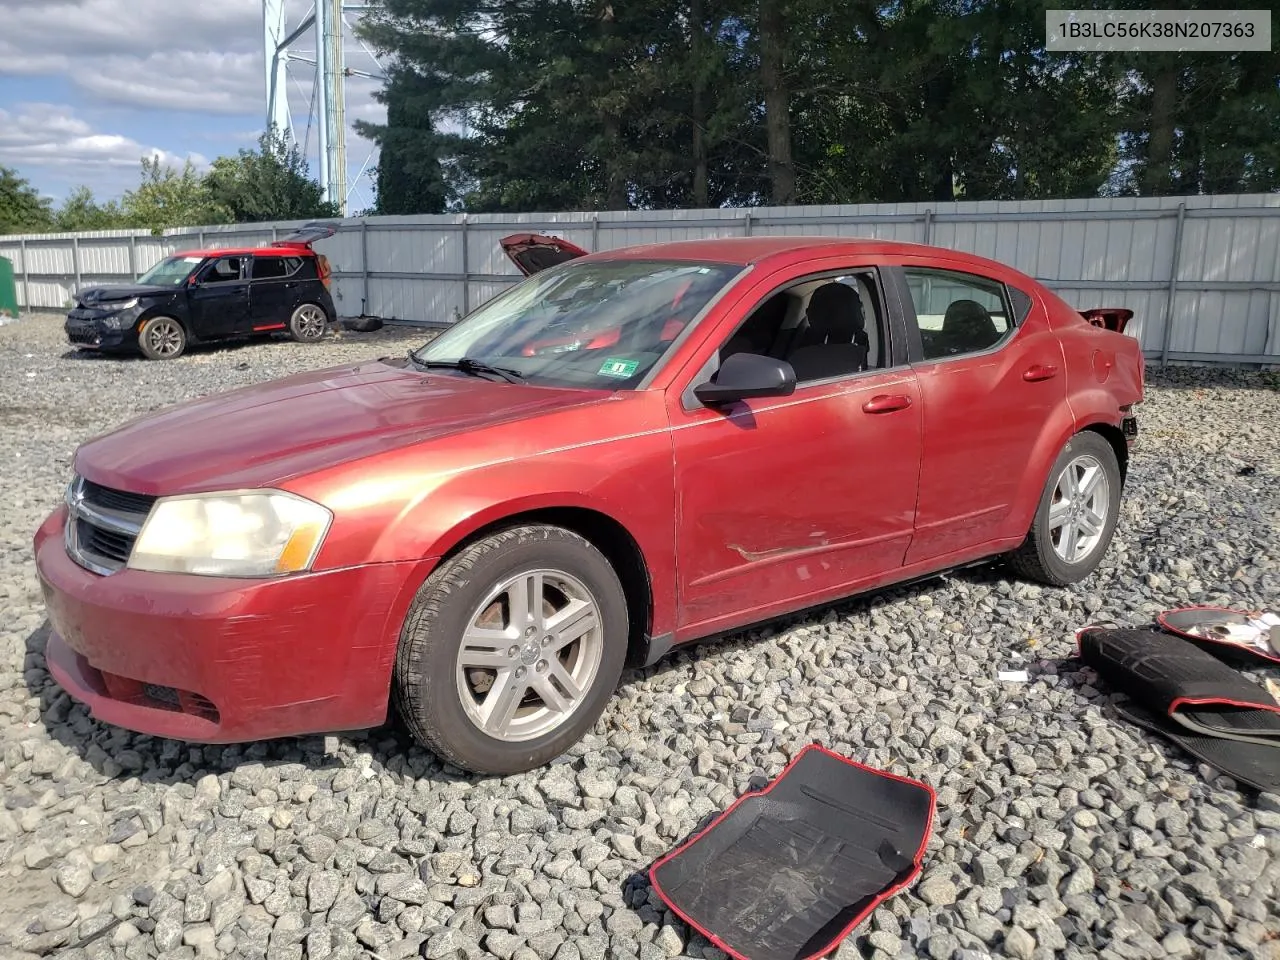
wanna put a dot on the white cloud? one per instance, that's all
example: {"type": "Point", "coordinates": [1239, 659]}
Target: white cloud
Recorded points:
{"type": "Point", "coordinates": [52, 136]}
{"type": "Point", "coordinates": [135, 58]}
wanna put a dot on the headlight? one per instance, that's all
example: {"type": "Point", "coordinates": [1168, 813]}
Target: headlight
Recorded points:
{"type": "Point", "coordinates": [126, 305]}
{"type": "Point", "coordinates": [251, 534]}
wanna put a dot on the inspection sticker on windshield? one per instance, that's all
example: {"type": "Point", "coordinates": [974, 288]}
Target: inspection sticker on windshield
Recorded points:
{"type": "Point", "coordinates": [618, 368]}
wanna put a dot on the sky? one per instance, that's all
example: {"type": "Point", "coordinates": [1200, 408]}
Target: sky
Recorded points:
{"type": "Point", "coordinates": [89, 87]}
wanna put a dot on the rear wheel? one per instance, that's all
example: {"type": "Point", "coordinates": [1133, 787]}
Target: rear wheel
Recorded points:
{"type": "Point", "coordinates": [308, 323]}
{"type": "Point", "coordinates": [162, 338]}
{"type": "Point", "coordinates": [1077, 514]}
{"type": "Point", "coordinates": [511, 649]}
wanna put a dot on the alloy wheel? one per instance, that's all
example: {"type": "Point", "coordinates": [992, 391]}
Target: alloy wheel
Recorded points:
{"type": "Point", "coordinates": [530, 654]}
{"type": "Point", "coordinates": [309, 323]}
{"type": "Point", "coordinates": [165, 338]}
{"type": "Point", "coordinates": [1078, 511]}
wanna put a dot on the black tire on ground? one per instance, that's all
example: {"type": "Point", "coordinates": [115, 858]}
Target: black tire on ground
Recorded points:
{"type": "Point", "coordinates": [162, 338]}
{"type": "Point", "coordinates": [1037, 558]}
{"type": "Point", "coordinates": [309, 323]}
{"type": "Point", "coordinates": [425, 686]}
{"type": "Point", "coordinates": [362, 324]}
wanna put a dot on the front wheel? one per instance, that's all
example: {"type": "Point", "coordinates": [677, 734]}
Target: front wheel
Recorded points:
{"type": "Point", "coordinates": [308, 323]}
{"type": "Point", "coordinates": [162, 338]}
{"type": "Point", "coordinates": [1077, 514]}
{"type": "Point", "coordinates": [511, 649]}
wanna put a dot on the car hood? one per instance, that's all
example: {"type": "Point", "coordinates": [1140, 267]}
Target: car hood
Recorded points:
{"type": "Point", "coordinates": [124, 291]}
{"type": "Point", "coordinates": [263, 435]}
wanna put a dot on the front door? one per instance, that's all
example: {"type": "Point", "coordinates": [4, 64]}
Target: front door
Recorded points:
{"type": "Point", "coordinates": [220, 298]}
{"type": "Point", "coordinates": [788, 501]}
{"type": "Point", "coordinates": [273, 292]}
{"type": "Point", "coordinates": [990, 378]}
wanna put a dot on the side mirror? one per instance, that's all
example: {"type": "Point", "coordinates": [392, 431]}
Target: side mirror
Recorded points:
{"type": "Point", "coordinates": [746, 375]}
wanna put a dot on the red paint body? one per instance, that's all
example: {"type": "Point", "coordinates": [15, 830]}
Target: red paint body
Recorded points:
{"type": "Point", "coordinates": [739, 515]}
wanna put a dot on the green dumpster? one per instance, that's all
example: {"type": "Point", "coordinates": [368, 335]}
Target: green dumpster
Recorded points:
{"type": "Point", "coordinates": [8, 290]}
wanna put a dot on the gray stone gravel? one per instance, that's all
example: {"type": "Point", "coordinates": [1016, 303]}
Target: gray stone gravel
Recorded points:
{"type": "Point", "coordinates": [1060, 832]}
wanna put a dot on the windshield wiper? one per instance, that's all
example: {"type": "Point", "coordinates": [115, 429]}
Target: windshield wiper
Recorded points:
{"type": "Point", "coordinates": [475, 368]}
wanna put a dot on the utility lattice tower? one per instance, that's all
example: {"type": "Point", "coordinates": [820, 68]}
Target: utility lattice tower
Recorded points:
{"type": "Point", "coordinates": [327, 25]}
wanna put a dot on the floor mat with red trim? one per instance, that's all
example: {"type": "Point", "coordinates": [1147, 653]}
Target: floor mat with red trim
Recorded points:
{"type": "Point", "coordinates": [787, 872]}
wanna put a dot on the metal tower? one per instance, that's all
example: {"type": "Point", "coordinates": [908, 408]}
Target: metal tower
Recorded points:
{"type": "Point", "coordinates": [325, 21]}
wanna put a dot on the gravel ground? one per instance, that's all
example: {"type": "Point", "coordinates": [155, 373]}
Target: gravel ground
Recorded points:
{"type": "Point", "coordinates": [1060, 832]}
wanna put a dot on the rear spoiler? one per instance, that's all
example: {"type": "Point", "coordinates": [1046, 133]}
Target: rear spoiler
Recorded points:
{"type": "Point", "coordinates": [1109, 318]}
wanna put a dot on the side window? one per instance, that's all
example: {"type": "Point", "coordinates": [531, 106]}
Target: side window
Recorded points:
{"type": "Point", "coordinates": [224, 269]}
{"type": "Point", "coordinates": [825, 327]}
{"type": "Point", "coordinates": [958, 313]}
{"type": "Point", "coordinates": [270, 268]}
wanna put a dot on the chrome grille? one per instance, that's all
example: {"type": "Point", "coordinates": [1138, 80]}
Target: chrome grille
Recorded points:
{"type": "Point", "coordinates": [103, 525]}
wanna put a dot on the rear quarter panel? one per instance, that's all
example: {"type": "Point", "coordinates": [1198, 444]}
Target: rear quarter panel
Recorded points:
{"type": "Point", "coordinates": [1104, 370]}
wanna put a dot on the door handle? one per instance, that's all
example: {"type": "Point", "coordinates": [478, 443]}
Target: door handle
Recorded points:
{"type": "Point", "coordinates": [886, 403]}
{"type": "Point", "coordinates": [1040, 371]}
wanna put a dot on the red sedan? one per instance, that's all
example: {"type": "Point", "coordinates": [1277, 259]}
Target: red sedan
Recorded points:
{"type": "Point", "coordinates": [626, 452]}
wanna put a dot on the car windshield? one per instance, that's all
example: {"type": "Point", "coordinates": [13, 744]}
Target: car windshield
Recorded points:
{"type": "Point", "coordinates": [170, 272]}
{"type": "Point", "coordinates": [600, 324]}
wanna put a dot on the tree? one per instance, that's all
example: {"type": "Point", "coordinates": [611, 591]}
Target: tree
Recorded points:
{"type": "Point", "coordinates": [167, 198]}
{"type": "Point", "coordinates": [269, 183]}
{"type": "Point", "coordinates": [410, 178]}
{"type": "Point", "coordinates": [22, 209]}
{"type": "Point", "coordinates": [80, 211]}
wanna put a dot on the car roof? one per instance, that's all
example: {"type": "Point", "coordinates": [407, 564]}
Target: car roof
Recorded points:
{"type": "Point", "coordinates": [750, 250]}
{"type": "Point", "coordinates": [301, 250]}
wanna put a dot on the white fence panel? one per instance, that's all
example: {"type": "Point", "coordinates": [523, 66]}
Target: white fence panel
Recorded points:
{"type": "Point", "coordinates": [1217, 257]}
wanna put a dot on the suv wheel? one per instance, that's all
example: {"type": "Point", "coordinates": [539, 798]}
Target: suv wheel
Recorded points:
{"type": "Point", "coordinates": [308, 323]}
{"type": "Point", "coordinates": [162, 338]}
{"type": "Point", "coordinates": [511, 649]}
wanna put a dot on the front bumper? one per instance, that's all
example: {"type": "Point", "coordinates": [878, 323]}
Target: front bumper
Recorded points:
{"type": "Point", "coordinates": [219, 660]}
{"type": "Point", "coordinates": [87, 330]}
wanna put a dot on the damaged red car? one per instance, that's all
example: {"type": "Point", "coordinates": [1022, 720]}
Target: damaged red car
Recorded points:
{"type": "Point", "coordinates": [625, 452]}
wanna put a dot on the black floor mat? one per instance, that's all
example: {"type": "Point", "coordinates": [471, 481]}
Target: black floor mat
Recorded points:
{"type": "Point", "coordinates": [1180, 621]}
{"type": "Point", "coordinates": [787, 872]}
{"type": "Point", "coordinates": [1246, 763]}
{"type": "Point", "coordinates": [1193, 698]}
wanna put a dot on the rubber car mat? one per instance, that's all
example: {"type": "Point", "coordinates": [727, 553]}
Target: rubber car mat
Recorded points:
{"type": "Point", "coordinates": [1246, 763]}
{"type": "Point", "coordinates": [1170, 676]}
{"type": "Point", "coordinates": [788, 871]}
{"type": "Point", "coordinates": [1180, 621]}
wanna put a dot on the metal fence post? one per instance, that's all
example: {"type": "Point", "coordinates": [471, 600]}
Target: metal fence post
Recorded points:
{"type": "Point", "coordinates": [200, 234]}
{"type": "Point", "coordinates": [1173, 286]}
{"type": "Point", "coordinates": [275, 233]}
{"type": "Point", "coordinates": [928, 226]}
{"type": "Point", "coordinates": [466, 269]}
{"type": "Point", "coordinates": [595, 233]}
{"type": "Point", "coordinates": [133, 255]}
{"type": "Point", "coordinates": [364, 267]}
{"type": "Point", "coordinates": [26, 275]}
{"type": "Point", "coordinates": [746, 223]}
{"type": "Point", "coordinates": [75, 260]}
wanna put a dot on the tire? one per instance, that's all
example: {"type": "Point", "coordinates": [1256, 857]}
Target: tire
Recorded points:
{"type": "Point", "coordinates": [309, 323]}
{"type": "Point", "coordinates": [162, 338]}
{"type": "Point", "coordinates": [1047, 555]}
{"type": "Point", "coordinates": [362, 324]}
{"type": "Point", "coordinates": [458, 713]}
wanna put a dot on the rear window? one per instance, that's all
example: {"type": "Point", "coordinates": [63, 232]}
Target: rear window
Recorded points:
{"type": "Point", "coordinates": [274, 268]}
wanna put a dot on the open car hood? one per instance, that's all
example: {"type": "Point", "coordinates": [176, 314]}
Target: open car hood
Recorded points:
{"type": "Point", "coordinates": [306, 236]}
{"type": "Point", "coordinates": [531, 252]}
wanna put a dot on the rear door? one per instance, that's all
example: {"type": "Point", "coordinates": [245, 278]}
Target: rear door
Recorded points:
{"type": "Point", "coordinates": [220, 297]}
{"type": "Point", "coordinates": [990, 374]}
{"type": "Point", "coordinates": [273, 291]}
